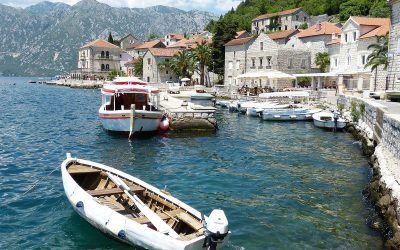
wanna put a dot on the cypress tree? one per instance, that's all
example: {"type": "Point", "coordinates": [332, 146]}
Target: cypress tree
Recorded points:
{"type": "Point", "coordinates": [110, 38]}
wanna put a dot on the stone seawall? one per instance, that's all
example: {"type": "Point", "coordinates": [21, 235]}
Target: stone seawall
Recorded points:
{"type": "Point", "coordinates": [383, 129]}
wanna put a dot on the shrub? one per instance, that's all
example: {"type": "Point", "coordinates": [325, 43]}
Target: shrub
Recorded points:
{"type": "Point", "coordinates": [355, 113]}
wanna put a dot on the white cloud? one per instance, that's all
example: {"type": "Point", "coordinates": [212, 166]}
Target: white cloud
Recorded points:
{"type": "Point", "coordinates": [216, 6]}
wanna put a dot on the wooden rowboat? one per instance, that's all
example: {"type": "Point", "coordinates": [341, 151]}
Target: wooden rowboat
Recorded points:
{"type": "Point", "coordinates": [137, 213]}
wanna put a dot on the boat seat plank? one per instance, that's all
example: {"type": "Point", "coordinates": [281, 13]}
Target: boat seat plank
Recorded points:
{"type": "Point", "coordinates": [113, 191]}
{"type": "Point", "coordinates": [163, 216]}
{"type": "Point", "coordinates": [82, 169]}
{"type": "Point", "coordinates": [193, 223]}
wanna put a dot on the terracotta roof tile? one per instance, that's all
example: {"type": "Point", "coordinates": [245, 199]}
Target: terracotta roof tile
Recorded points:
{"type": "Point", "coordinates": [176, 36]}
{"type": "Point", "coordinates": [281, 13]}
{"type": "Point", "coordinates": [380, 31]}
{"type": "Point", "coordinates": [190, 43]}
{"type": "Point", "coordinates": [371, 21]}
{"type": "Point", "coordinates": [239, 41]}
{"type": "Point", "coordinates": [324, 28]}
{"type": "Point", "coordinates": [99, 43]}
{"type": "Point", "coordinates": [282, 34]}
{"type": "Point", "coordinates": [133, 46]}
{"type": "Point", "coordinates": [150, 44]}
{"type": "Point", "coordinates": [242, 34]}
{"type": "Point", "coordinates": [164, 52]}
{"type": "Point", "coordinates": [134, 61]}
{"type": "Point", "coordinates": [335, 41]}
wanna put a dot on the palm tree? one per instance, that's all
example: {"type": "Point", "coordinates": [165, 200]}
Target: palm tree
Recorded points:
{"type": "Point", "coordinates": [379, 55]}
{"type": "Point", "coordinates": [138, 67]}
{"type": "Point", "coordinates": [202, 54]}
{"type": "Point", "coordinates": [322, 60]}
{"type": "Point", "coordinates": [182, 64]}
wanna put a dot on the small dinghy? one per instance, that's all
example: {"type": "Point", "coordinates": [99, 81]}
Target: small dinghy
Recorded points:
{"type": "Point", "coordinates": [137, 213]}
{"type": "Point", "coordinates": [329, 120]}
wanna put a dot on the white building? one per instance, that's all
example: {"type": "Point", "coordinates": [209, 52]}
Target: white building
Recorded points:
{"type": "Point", "coordinates": [285, 20]}
{"type": "Point", "coordinates": [172, 38]}
{"type": "Point", "coordinates": [349, 52]}
{"type": "Point", "coordinates": [97, 59]}
{"type": "Point", "coordinates": [394, 47]}
{"type": "Point", "coordinates": [152, 72]}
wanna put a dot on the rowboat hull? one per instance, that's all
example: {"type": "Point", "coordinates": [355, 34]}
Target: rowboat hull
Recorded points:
{"type": "Point", "coordinates": [118, 225]}
{"type": "Point", "coordinates": [326, 120]}
{"type": "Point", "coordinates": [289, 115]}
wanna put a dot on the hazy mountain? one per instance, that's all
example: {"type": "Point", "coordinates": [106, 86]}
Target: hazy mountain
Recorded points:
{"type": "Point", "coordinates": [43, 39]}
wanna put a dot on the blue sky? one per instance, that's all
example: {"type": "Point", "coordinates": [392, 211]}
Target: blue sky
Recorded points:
{"type": "Point", "coordinates": [215, 6]}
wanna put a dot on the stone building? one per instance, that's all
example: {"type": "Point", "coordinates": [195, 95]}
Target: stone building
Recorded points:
{"type": "Point", "coordinates": [394, 47]}
{"type": "Point", "coordinates": [152, 72]}
{"type": "Point", "coordinates": [349, 52]}
{"type": "Point", "coordinates": [315, 39]}
{"type": "Point", "coordinates": [138, 50]}
{"type": "Point", "coordinates": [282, 37]}
{"type": "Point", "coordinates": [252, 54]}
{"type": "Point", "coordinates": [128, 40]}
{"type": "Point", "coordinates": [97, 59]}
{"type": "Point", "coordinates": [285, 20]}
{"type": "Point", "coordinates": [172, 38]}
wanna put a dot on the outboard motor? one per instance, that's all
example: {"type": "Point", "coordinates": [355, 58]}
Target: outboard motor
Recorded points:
{"type": "Point", "coordinates": [216, 229]}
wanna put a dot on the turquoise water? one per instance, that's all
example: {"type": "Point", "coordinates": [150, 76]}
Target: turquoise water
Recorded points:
{"type": "Point", "coordinates": [282, 185]}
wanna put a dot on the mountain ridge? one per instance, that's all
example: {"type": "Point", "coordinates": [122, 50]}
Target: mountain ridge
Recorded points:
{"type": "Point", "coordinates": [44, 39]}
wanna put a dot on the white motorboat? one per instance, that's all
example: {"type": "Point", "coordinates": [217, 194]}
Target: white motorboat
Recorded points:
{"type": "Point", "coordinates": [200, 93]}
{"type": "Point", "coordinates": [293, 114]}
{"type": "Point", "coordinates": [130, 107]}
{"type": "Point", "coordinates": [138, 213]}
{"type": "Point", "coordinates": [223, 104]}
{"type": "Point", "coordinates": [329, 120]}
{"type": "Point", "coordinates": [232, 106]}
{"type": "Point", "coordinates": [259, 107]}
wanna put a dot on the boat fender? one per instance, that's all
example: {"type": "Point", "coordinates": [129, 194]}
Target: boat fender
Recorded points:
{"type": "Point", "coordinates": [164, 124]}
{"type": "Point", "coordinates": [79, 204]}
{"type": "Point", "coordinates": [121, 234]}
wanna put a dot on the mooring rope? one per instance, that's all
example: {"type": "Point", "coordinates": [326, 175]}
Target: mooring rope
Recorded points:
{"type": "Point", "coordinates": [30, 188]}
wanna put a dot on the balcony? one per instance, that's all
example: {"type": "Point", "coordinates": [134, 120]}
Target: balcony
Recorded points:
{"type": "Point", "coordinates": [100, 57]}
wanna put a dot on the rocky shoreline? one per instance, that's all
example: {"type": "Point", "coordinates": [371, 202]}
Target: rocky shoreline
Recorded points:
{"type": "Point", "coordinates": [378, 192]}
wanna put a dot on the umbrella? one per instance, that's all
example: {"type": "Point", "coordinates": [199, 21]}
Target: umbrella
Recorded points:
{"type": "Point", "coordinates": [185, 79]}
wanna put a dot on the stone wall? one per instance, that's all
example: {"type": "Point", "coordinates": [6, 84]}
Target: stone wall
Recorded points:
{"type": "Point", "coordinates": [391, 134]}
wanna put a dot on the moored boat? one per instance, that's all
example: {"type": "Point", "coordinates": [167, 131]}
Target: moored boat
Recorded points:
{"type": "Point", "coordinates": [130, 106]}
{"type": "Point", "coordinates": [293, 114]}
{"type": "Point", "coordinates": [329, 120]}
{"type": "Point", "coordinates": [138, 213]}
{"type": "Point", "coordinates": [200, 93]}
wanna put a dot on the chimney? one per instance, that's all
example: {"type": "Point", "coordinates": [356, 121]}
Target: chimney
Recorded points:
{"type": "Point", "coordinates": [318, 26]}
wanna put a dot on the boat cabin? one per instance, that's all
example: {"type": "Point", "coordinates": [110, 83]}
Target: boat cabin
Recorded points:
{"type": "Point", "coordinates": [121, 97]}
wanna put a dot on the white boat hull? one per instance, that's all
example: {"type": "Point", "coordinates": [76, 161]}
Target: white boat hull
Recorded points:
{"type": "Point", "coordinates": [119, 121]}
{"type": "Point", "coordinates": [328, 123]}
{"type": "Point", "coordinates": [112, 223]}
{"type": "Point", "coordinates": [289, 115]}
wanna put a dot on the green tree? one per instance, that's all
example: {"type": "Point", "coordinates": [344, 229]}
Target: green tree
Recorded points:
{"type": "Point", "coordinates": [182, 64]}
{"type": "Point", "coordinates": [378, 56]}
{"type": "Point", "coordinates": [303, 26]}
{"type": "Point", "coordinates": [152, 36]}
{"type": "Point", "coordinates": [353, 8]}
{"type": "Point", "coordinates": [380, 9]}
{"type": "Point", "coordinates": [202, 54]}
{"type": "Point", "coordinates": [263, 8]}
{"type": "Point", "coordinates": [110, 38]}
{"type": "Point", "coordinates": [115, 73]}
{"type": "Point", "coordinates": [322, 60]}
{"type": "Point", "coordinates": [274, 24]}
{"type": "Point", "coordinates": [138, 67]}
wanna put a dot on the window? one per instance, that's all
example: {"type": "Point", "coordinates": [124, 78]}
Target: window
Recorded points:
{"type": "Point", "coordinates": [303, 63]}
{"type": "Point", "coordinates": [269, 58]}
{"type": "Point", "coordinates": [285, 27]}
{"type": "Point", "coordinates": [230, 80]}
{"type": "Point", "coordinates": [107, 67]}
{"type": "Point", "coordinates": [261, 46]}
{"type": "Point", "coordinates": [107, 54]}
{"type": "Point", "coordinates": [102, 67]}
{"type": "Point", "coordinates": [230, 65]}
{"type": "Point", "coordinates": [148, 79]}
{"type": "Point", "coordinates": [253, 62]}
{"type": "Point", "coordinates": [336, 62]}
{"type": "Point", "coordinates": [295, 27]}
{"type": "Point", "coordinates": [348, 60]}
{"type": "Point", "coordinates": [102, 54]}
{"type": "Point", "coordinates": [280, 28]}
{"type": "Point", "coordinates": [354, 36]}
{"type": "Point", "coordinates": [305, 19]}
{"type": "Point", "coordinates": [345, 37]}
{"type": "Point", "coordinates": [237, 64]}
{"type": "Point", "coordinates": [261, 61]}
{"type": "Point", "coordinates": [364, 59]}
{"type": "Point", "coordinates": [297, 17]}
{"type": "Point", "coordinates": [290, 63]}
{"type": "Point", "coordinates": [149, 61]}
{"type": "Point", "coordinates": [234, 54]}
{"type": "Point", "coordinates": [166, 72]}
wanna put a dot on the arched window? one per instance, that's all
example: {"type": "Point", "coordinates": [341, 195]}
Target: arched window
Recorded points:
{"type": "Point", "coordinates": [107, 67]}
{"type": "Point", "coordinates": [102, 67]}
{"type": "Point", "coordinates": [107, 54]}
{"type": "Point", "coordinates": [102, 54]}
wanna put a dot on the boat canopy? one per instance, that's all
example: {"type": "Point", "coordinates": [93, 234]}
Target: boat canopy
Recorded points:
{"type": "Point", "coordinates": [285, 94]}
{"type": "Point", "coordinates": [128, 80]}
{"type": "Point", "coordinates": [268, 74]}
{"type": "Point", "coordinates": [111, 89]}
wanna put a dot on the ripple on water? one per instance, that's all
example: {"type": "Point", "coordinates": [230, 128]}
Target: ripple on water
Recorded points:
{"type": "Point", "coordinates": [282, 185]}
